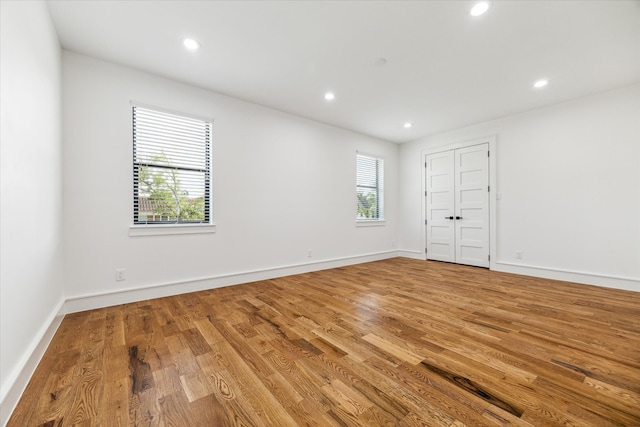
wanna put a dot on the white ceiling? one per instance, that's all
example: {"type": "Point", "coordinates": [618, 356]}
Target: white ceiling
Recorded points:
{"type": "Point", "coordinates": [445, 69]}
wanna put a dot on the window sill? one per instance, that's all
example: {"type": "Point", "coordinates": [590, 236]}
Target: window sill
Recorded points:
{"type": "Point", "coordinates": [370, 223]}
{"type": "Point", "coordinates": [167, 230]}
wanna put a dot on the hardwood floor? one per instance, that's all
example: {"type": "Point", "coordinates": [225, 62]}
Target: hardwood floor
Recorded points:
{"type": "Point", "coordinates": [396, 342]}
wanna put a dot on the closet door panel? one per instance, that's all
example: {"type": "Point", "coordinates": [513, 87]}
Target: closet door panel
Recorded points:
{"type": "Point", "coordinates": [471, 199]}
{"type": "Point", "coordinates": [440, 182]}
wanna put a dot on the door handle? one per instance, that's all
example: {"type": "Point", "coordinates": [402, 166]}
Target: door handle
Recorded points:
{"type": "Point", "coordinates": [458, 217]}
{"type": "Point", "coordinates": [448, 217]}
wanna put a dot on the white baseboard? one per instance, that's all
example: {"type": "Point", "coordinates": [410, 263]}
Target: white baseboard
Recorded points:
{"type": "Point", "coordinates": [625, 283]}
{"type": "Point", "coordinates": [106, 299]}
{"type": "Point", "coordinates": [18, 380]}
{"type": "Point", "coordinates": [412, 254]}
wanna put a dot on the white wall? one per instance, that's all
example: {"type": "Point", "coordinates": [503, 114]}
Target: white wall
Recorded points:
{"type": "Point", "coordinates": [281, 185]}
{"type": "Point", "coordinates": [31, 196]}
{"type": "Point", "coordinates": [569, 180]}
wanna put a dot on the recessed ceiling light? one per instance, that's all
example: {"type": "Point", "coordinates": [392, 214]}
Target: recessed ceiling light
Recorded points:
{"type": "Point", "coordinates": [190, 44]}
{"type": "Point", "coordinates": [329, 96]}
{"type": "Point", "coordinates": [540, 83]}
{"type": "Point", "coordinates": [407, 125]}
{"type": "Point", "coordinates": [479, 8]}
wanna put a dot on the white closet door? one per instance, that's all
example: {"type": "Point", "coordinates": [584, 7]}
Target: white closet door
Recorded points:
{"type": "Point", "coordinates": [457, 205]}
{"type": "Point", "coordinates": [440, 182]}
{"type": "Point", "coordinates": [472, 205]}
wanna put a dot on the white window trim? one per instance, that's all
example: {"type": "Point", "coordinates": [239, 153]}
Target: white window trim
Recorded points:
{"type": "Point", "coordinates": [133, 103]}
{"type": "Point", "coordinates": [370, 223]}
{"type": "Point", "coordinates": [374, 222]}
{"type": "Point", "coordinates": [141, 230]}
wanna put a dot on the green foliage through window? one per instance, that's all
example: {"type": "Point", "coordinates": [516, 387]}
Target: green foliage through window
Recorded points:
{"type": "Point", "coordinates": [167, 197]}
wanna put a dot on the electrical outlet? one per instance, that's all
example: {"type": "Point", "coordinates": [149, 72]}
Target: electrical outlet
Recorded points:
{"type": "Point", "coordinates": [309, 253]}
{"type": "Point", "coordinates": [518, 254]}
{"type": "Point", "coordinates": [119, 274]}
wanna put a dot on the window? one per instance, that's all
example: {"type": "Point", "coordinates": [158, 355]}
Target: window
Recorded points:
{"type": "Point", "coordinates": [369, 188]}
{"type": "Point", "coordinates": [171, 168]}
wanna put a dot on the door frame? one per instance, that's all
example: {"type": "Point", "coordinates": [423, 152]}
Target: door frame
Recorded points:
{"type": "Point", "coordinates": [491, 140]}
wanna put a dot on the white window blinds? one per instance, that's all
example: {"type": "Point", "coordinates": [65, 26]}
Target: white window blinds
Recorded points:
{"type": "Point", "coordinates": [171, 168]}
{"type": "Point", "coordinates": [369, 188]}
